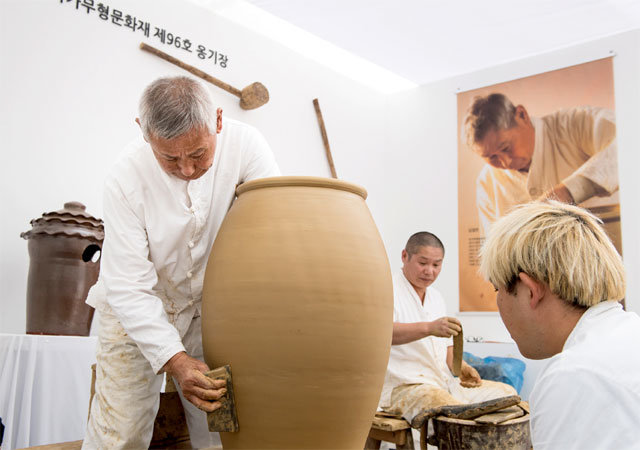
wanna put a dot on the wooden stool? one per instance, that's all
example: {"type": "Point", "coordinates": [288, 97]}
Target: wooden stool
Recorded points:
{"type": "Point", "coordinates": [504, 429]}
{"type": "Point", "coordinates": [389, 429]}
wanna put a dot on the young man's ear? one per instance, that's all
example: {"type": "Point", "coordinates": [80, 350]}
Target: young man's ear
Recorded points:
{"type": "Point", "coordinates": [535, 289]}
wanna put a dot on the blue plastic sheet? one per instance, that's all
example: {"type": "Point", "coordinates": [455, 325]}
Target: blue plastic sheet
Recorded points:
{"type": "Point", "coordinates": [496, 368]}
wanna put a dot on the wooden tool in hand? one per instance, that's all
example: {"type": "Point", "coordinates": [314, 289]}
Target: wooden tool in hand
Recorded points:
{"type": "Point", "coordinates": [468, 411]}
{"type": "Point", "coordinates": [224, 418]}
{"type": "Point", "coordinates": [251, 97]}
{"type": "Point", "coordinates": [458, 344]}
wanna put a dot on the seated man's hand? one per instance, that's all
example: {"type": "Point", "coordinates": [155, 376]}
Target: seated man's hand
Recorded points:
{"type": "Point", "coordinates": [469, 377]}
{"type": "Point", "coordinates": [445, 327]}
{"type": "Point", "coordinates": [199, 389]}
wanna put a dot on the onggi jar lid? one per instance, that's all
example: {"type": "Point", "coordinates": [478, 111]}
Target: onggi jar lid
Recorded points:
{"type": "Point", "coordinates": [71, 220]}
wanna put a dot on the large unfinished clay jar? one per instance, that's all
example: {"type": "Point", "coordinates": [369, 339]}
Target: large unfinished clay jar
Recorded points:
{"type": "Point", "coordinates": [298, 300]}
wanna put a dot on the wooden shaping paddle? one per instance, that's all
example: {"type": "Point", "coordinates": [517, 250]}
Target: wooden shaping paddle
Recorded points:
{"type": "Point", "coordinates": [458, 345]}
{"type": "Point", "coordinates": [467, 412]}
{"type": "Point", "coordinates": [224, 418]}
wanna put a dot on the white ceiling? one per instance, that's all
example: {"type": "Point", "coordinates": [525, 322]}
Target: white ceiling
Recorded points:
{"type": "Point", "coordinates": [430, 40]}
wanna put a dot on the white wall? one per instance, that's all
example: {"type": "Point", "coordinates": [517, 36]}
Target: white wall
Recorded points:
{"type": "Point", "coordinates": [69, 88]}
{"type": "Point", "coordinates": [422, 158]}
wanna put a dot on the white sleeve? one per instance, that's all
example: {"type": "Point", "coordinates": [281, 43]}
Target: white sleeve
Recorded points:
{"type": "Point", "coordinates": [567, 403]}
{"type": "Point", "coordinates": [258, 160]}
{"type": "Point", "coordinates": [595, 131]}
{"type": "Point", "coordinates": [129, 277]}
{"type": "Point", "coordinates": [397, 291]}
{"type": "Point", "coordinates": [448, 341]}
{"type": "Point", "coordinates": [551, 406]}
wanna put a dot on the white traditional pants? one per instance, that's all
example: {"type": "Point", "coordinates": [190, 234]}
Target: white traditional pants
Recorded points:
{"type": "Point", "coordinates": [127, 392]}
{"type": "Point", "coordinates": [409, 400]}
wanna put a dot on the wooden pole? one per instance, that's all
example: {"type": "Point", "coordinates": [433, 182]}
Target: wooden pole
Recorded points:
{"type": "Point", "coordinates": [325, 139]}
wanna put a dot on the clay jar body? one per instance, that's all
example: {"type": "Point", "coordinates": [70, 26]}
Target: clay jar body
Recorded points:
{"type": "Point", "coordinates": [298, 300]}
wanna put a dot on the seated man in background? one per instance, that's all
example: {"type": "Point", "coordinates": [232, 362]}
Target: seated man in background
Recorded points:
{"type": "Point", "coordinates": [559, 279]}
{"type": "Point", "coordinates": [419, 374]}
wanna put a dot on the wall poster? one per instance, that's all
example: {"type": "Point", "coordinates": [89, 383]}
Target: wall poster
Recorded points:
{"type": "Point", "coordinates": [551, 134]}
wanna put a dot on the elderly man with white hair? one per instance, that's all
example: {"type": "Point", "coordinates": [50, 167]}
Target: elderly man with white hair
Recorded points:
{"type": "Point", "coordinates": [164, 202]}
{"type": "Point", "coordinates": [558, 279]}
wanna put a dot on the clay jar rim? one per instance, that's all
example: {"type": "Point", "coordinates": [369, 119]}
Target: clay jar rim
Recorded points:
{"type": "Point", "coordinates": [330, 183]}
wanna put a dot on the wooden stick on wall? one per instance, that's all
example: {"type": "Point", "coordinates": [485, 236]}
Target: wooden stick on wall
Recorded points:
{"type": "Point", "coordinates": [325, 139]}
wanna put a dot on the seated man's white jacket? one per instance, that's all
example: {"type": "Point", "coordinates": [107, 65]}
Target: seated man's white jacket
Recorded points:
{"type": "Point", "coordinates": [423, 361]}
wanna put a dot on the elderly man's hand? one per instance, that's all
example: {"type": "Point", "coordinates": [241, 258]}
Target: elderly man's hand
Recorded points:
{"type": "Point", "coordinates": [199, 389]}
{"type": "Point", "coordinates": [560, 193]}
{"type": "Point", "coordinates": [445, 327]}
{"type": "Point", "coordinates": [469, 377]}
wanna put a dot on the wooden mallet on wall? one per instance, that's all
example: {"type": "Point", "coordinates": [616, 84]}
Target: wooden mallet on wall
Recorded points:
{"type": "Point", "coordinates": [251, 97]}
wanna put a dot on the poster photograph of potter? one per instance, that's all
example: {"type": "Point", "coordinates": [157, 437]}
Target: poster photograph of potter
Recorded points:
{"type": "Point", "coordinates": [250, 224]}
{"type": "Point", "coordinates": [551, 135]}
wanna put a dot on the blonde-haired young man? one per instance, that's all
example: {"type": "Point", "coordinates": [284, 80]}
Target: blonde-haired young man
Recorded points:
{"type": "Point", "coordinates": [559, 279]}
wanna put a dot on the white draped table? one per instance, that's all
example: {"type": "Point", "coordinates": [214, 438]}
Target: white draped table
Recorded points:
{"type": "Point", "coordinates": [45, 384]}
